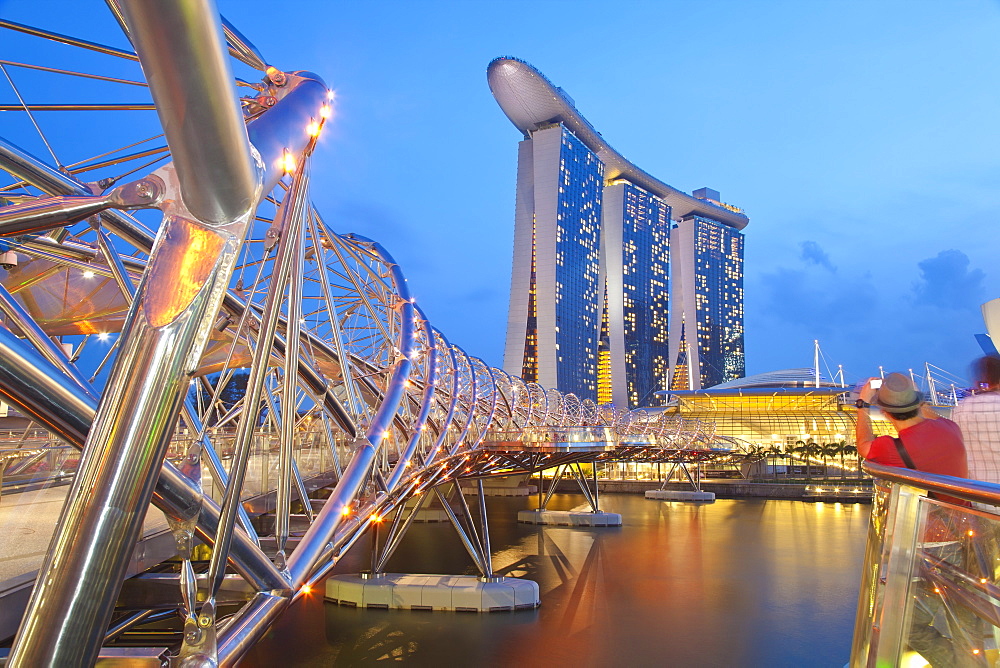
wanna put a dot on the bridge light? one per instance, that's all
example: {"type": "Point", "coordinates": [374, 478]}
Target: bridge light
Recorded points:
{"type": "Point", "coordinates": [313, 129]}
{"type": "Point", "coordinates": [288, 162]}
{"type": "Point", "coordinates": [325, 111]}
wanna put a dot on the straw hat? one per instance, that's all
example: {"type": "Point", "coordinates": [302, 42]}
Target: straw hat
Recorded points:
{"type": "Point", "coordinates": [897, 394]}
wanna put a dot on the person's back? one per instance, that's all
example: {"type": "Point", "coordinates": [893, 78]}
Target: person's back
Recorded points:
{"type": "Point", "coordinates": [934, 445]}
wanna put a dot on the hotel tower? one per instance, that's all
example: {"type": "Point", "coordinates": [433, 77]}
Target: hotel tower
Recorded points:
{"type": "Point", "coordinates": [621, 285]}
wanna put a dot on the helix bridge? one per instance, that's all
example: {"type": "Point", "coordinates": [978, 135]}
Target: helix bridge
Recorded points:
{"type": "Point", "coordinates": [141, 285]}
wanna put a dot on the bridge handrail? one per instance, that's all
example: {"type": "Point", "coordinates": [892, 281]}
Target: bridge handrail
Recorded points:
{"type": "Point", "coordinates": [928, 584]}
{"type": "Point", "coordinates": [962, 488]}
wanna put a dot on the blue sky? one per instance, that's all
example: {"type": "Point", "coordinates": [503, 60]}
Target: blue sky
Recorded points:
{"type": "Point", "coordinates": [860, 138]}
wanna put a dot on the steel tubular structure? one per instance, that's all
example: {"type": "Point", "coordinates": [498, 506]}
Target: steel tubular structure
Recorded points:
{"type": "Point", "coordinates": [251, 337]}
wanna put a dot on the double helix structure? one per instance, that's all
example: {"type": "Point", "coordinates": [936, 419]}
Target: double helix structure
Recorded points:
{"type": "Point", "coordinates": [176, 309]}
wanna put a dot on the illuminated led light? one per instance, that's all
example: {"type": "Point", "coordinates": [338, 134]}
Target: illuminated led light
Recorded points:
{"type": "Point", "coordinates": [88, 274]}
{"type": "Point", "coordinates": [313, 129]}
{"type": "Point", "coordinates": [346, 510]}
{"type": "Point", "coordinates": [288, 162]}
{"type": "Point", "coordinates": [102, 336]}
{"type": "Point", "coordinates": [971, 532]}
{"type": "Point", "coordinates": [325, 111]}
{"type": "Point", "coordinates": [376, 518]}
{"type": "Point", "coordinates": [306, 589]}
{"type": "Point", "coordinates": [330, 94]}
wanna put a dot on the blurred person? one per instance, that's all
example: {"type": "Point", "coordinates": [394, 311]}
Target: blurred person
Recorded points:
{"type": "Point", "coordinates": [978, 416]}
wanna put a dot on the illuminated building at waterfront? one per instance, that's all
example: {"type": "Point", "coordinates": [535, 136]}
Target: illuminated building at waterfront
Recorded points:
{"type": "Point", "coordinates": [597, 242]}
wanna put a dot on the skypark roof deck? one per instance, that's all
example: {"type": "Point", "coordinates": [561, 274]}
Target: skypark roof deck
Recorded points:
{"type": "Point", "coordinates": [531, 102]}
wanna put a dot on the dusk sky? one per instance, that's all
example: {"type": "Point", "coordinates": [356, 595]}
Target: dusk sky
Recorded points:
{"type": "Point", "coordinates": [859, 137]}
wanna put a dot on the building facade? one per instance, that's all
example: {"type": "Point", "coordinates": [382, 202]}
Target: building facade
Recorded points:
{"type": "Point", "coordinates": [552, 327]}
{"type": "Point", "coordinates": [592, 308]}
{"type": "Point", "coordinates": [707, 294]}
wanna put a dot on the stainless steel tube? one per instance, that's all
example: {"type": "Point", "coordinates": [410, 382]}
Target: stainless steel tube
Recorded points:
{"type": "Point", "coordinates": [189, 78]}
{"type": "Point", "coordinates": [164, 334]}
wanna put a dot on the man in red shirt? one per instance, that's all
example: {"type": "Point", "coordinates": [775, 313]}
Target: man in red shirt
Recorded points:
{"type": "Point", "coordinates": [927, 443]}
{"type": "Point", "coordinates": [933, 444]}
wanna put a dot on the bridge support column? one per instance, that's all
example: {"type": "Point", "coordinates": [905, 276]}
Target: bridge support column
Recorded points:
{"type": "Point", "coordinates": [694, 494]}
{"type": "Point", "coordinates": [487, 592]}
{"type": "Point", "coordinates": [579, 516]}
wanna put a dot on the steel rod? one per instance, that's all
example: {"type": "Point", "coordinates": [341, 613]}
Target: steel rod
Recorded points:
{"type": "Point", "coordinates": [466, 542]}
{"type": "Point", "coordinates": [292, 216]}
{"type": "Point", "coordinates": [485, 532]}
{"type": "Point", "coordinates": [72, 41]}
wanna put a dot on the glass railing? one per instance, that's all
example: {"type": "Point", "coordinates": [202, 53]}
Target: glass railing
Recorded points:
{"type": "Point", "coordinates": [534, 436]}
{"type": "Point", "coordinates": [312, 454]}
{"type": "Point", "coordinates": [36, 469]}
{"type": "Point", "coordinates": [32, 458]}
{"type": "Point", "coordinates": [930, 586]}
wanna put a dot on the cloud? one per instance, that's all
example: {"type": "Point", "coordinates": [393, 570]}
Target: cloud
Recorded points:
{"type": "Point", "coordinates": [811, 252]}
{"type": "Point", "coordinates": [947, 282]}
{"type": "Point", "coordinates": [899, 317]}
{"type": "Point", "coordinates": [815, 302]}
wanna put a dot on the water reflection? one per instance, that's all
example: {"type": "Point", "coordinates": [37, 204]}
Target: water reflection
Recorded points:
{"type": "Point", "coordinates": [734, 583]}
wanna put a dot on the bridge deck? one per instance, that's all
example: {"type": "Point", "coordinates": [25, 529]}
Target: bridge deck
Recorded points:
{"type": "Point", "coordinates": [27, 521]}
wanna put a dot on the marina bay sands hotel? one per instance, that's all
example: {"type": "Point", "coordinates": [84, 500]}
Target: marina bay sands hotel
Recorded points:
{"type": "Point", "coordinates": [621, 285]}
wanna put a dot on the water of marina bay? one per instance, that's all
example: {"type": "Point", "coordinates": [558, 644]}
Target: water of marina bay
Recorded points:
{"type": "Point", "coordinates": [746, 582]}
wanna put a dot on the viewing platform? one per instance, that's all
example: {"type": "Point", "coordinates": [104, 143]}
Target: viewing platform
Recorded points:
{"type": "Point", "coordinates": [552, 440]}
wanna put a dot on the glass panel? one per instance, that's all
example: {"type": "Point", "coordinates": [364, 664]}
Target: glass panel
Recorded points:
{"type": "Point", "coordinates": [952, 616]}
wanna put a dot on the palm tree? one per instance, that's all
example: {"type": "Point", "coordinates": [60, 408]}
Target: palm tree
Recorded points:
{"type": "Point", "coordinates": [850, 449]}
{"type": "Point", "coordinates": [842, 448]}
{"type": "Point", "coordinates": [831, 450]}
{"type": "Point", "coordinates": [774, 452]}
{"type": "Point", "coordinates": [802, 450]}
{"type": "Point", "coordinates": [813, 450]}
